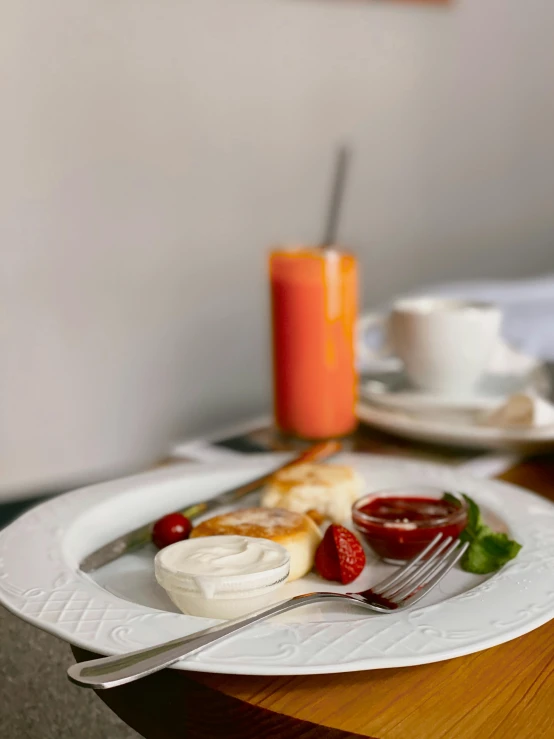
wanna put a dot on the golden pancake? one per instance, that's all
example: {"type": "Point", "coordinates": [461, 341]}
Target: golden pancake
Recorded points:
{"type": "Point", "coordinates": [295, 531]}
{"type": "Point", "coordinates": [329, 489]}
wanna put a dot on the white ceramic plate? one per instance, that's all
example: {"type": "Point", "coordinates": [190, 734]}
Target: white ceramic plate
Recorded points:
{"type": "Point", "coordinates": [122, 608]}
{"type": "Point", "coordinates": [456, 429]}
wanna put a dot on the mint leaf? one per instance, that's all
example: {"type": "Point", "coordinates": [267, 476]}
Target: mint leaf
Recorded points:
{"type": "Point", "coordinates": [489, 553]}
{"type": "Point", "coordinates": [488, 550]}
{"type": "Point", "coordinates": [499, 546]}
{"type": "Point", "coordinates": [474, 520]}
{"type": "Point", "coordinates": [449, 498]}
{"type": "Point", "coordinates": [477, 560]}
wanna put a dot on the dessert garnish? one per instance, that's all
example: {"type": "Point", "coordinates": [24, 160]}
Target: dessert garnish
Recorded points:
{"type": "Point", "coordinates": [170, 529]}
{"type": "Point", "coordinates": [488, 550]}
{"type": "Point", "coordinates": [340, 555]}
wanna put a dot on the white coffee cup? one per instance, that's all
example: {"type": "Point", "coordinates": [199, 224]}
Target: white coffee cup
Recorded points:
{"type": "Point", "coordinates": [444, 344]}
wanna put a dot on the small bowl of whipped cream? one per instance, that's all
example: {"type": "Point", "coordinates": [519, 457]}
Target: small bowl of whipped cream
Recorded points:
{"type": "Point", "coordinates": [222, 576]}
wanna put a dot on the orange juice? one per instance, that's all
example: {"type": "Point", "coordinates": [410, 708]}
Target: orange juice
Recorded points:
{"type": "Point", "coordinates": [314, 301]}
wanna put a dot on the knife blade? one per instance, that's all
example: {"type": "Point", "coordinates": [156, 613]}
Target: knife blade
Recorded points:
{"type": "Point", "coordinates": [141, 536]}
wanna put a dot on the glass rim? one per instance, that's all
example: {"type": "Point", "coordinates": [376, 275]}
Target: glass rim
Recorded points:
{"type": "Point", "coordinates": [427, 304]}
{"type": "Point", "coordinates": [411, 492]}
{"type": "Point", "coordinates": [315, 250]}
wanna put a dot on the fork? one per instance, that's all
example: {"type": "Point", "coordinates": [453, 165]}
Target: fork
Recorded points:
{"type": "Point", "coordinates": [399, 591]}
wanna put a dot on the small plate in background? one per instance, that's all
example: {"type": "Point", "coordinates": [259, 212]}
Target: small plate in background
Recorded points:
{"type": "Point", "coordinates": [456, 429]}
{"type": "Point", "coordinates": [393, 390]}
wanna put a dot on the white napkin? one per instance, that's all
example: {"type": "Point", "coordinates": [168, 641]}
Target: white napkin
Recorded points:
{"type": "Point", "coordinates": [522, 410]}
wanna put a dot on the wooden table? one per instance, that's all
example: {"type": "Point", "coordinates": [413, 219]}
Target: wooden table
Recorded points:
{"type": "Point", "coordinates": [502, 693]}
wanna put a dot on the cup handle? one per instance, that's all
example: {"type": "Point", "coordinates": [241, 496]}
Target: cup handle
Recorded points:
{"type": "Point", "coordinates": [372, 320]}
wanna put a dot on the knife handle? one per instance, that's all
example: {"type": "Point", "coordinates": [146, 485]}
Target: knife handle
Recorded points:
{"type": "Point", "coordinates": [323, 450]}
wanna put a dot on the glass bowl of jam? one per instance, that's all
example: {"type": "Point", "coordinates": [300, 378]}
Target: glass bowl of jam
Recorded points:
{"type": "Point", "coordinates": [398, 524]}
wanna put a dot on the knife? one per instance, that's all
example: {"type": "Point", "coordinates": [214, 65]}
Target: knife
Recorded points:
{"type": "Point", "coordinates": [138, 538]}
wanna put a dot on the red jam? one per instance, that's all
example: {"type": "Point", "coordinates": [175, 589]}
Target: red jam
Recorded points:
{"type": "Point", "coordinates": [398, 526]}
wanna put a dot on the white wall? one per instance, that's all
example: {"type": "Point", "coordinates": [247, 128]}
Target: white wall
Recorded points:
{"type": "Point", "coordinates": [151, 150]}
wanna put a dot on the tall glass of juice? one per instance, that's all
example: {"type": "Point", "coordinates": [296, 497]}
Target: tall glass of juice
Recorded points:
{"type": "Point", "coordinates": [314, 305]}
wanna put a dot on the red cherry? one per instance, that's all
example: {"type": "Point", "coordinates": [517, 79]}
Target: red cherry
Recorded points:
{"type": "Point", "coordinates": [170, 529]}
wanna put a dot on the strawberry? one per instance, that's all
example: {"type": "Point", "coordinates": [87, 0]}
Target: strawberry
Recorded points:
{"type": "Point", "coordinates": [340, 555]}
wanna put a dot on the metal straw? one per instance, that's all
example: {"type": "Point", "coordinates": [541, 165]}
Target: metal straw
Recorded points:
{"type": "Point", "coordinates": [337, 193]}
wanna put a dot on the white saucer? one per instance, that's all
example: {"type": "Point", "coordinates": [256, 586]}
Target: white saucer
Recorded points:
{"type": "Point", "coordinates": [393, 390]}
{"type": "Point", "coordinates": [456, 428]}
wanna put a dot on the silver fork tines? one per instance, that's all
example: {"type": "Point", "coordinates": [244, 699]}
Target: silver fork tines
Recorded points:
{"type": "Point", "coordinates": [415, 579]}
{"type": "Point", "coordinates": [451, 556]}
{"type": "Point", "coordinates": [419, 574]}
{"type": "Point", "coordinates": [408, 567]}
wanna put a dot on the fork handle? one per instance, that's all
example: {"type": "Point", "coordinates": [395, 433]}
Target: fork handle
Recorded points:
{"type": "Point", "coordinates": [108, 672]}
